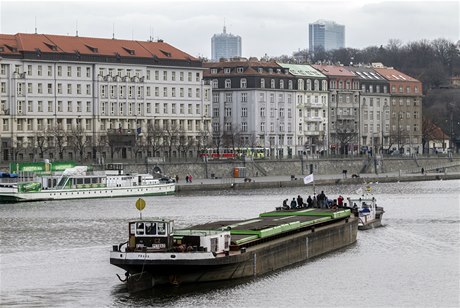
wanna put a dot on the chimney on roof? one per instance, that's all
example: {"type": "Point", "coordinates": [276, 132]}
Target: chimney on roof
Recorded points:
{"type": "Point", "coordinates": [160, 41]}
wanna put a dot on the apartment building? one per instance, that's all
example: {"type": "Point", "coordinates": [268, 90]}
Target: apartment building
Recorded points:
{"type": "Point", "coordinates": [312, 108]}
{"type": "Point", "coordinates": [405, 110]}
{"type": "Point", "coordinates": [253, 105]}
{"type": "Point", "coordinates": [374, 108]}
{"type": "Point", "coordinates": [65, 97]}
{"type": "Point", "coordinates": [344, 109]}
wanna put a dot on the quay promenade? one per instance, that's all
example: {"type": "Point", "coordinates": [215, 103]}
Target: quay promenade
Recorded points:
{"type": "Point", "coordinates": [298, 180]}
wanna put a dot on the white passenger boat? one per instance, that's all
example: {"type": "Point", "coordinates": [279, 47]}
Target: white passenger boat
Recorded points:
{"type": "Point", "coordinates": [369, 214]}
{"type": "Point", "coordinates": [78, 183]}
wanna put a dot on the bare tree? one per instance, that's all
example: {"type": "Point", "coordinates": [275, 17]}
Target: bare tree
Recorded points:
{"type": "Point", "coordinates": [153, 137]}
{"type": "Point", "coordinates": [170, 138]}
{"type": "Point", "coordinates": [41, 140]}
{"type": "Point", "coordinates": [184, 143]}
{"type": "Point", "coordinates": [345, 133]}
{"type": "Point", "coordinates": [78, 141]}
{"type": "Point", "coordinates": [100, 144]}
{"type": "Point", "coordinates": [59, 136]}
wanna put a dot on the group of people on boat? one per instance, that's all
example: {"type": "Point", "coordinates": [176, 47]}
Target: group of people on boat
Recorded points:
{"type": "Point", "coordinates": [317, 201]}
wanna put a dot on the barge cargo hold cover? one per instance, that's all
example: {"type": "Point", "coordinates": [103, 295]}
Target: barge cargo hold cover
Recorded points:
{"type": "Point", "coordinates": [157, 254]}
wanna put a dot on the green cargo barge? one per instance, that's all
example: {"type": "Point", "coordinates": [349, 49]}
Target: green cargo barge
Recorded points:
{"type": "Point", "coordinates": [157, 254]}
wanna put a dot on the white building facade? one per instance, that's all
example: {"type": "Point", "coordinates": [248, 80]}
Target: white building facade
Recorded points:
{"type": "Point", "coordinates": [254, 105]}
{"type": "Point", "coordinates": [80, 98]}
{"type": "Point", "coordinates": [312, 108]}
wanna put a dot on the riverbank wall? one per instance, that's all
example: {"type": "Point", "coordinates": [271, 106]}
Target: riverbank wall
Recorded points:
{"type": "Point", "coordinates": [260, 168]}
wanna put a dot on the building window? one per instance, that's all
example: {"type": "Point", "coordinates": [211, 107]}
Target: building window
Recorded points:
{"type": "Point", "coordinates": [228, 83]}
{"type": "Point", "coordinates": [244, 126]}
{"type": "Point", "coordinates": [244, 97]}
{"type": "Point", "coordinates": [244, 112]}
{"type": "Point", "coordinates": [243, 83]}
{"type": "Point", "coordinates": [272, 83]}
{"type": "Point", "coordinates": [262, 83]}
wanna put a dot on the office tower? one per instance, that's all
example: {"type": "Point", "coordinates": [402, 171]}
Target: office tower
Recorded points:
{"type": "Point", "coordinates": [225, 45]}
{"type": "Point", "coordinates": [326, 35]}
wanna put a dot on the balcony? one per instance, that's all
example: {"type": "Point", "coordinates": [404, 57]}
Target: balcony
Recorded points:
{"type": "Point", "coordinates": [313, 119]}
{"type": "Point", "coordinates": [312, 133]}
{"type": "Point", "coordinates": [345, 117]}
{"type": "Point", "coordinates": [314, 105]}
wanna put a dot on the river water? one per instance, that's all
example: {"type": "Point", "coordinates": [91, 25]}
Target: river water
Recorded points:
{"type": "Point", "coordinates": [56, 254]}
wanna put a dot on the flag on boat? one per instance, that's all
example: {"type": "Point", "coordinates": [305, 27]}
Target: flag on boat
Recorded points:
{"type": "Point", "coordinates": [308, 179]}
{"type": "Point", "coordinates": [138, 130]}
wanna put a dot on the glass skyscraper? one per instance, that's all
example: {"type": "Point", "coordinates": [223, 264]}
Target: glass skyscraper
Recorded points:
{"type": "Point", "coordinates": [225, 45]}
{"type": "Point", "coordinates": [326, 35]}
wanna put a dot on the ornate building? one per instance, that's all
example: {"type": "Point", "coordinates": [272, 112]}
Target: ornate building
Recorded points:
{"type": "Point", "coordinates": [64, 97]}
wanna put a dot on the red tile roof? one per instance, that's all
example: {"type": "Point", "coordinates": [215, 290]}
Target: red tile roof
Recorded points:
{"type": "Point", "coordinates": [48, 43]}
{"type": "Point", "coordinates": [333, 70]}
{"type": "Point", "coordinates": [393, 75]}
{"type": "Point", "coordinates": [8, 44]}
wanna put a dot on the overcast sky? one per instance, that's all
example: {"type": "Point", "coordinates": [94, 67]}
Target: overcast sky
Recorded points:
{"type": "Point", "coordinates": [266, 27]}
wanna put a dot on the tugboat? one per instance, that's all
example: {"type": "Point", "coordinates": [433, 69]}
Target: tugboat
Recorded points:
{"type": "Point", "coordinates": [369, 214]}
{"type": "Point", "coordinates": [156, 253]}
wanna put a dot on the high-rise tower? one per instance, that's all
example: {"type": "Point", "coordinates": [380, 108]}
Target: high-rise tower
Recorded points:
{"type": "Point", "coordinates": [326, 35]}
{"type": "Point", "coordinates": [225, 45]}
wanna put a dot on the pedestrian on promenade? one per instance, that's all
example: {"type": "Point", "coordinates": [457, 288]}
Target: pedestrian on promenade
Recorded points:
{"type": "Point", "coordinates": [177, 179]}
{"type": "Point", "coordinates": [186, 179]}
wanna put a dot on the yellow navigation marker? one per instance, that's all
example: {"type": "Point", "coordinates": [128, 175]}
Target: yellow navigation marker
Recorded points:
{"type": "Point", "coordinates": [140, 204]}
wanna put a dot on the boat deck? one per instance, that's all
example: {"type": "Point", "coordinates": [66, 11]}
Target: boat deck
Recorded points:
{"type": "Point", "coordinates": [273, 223]}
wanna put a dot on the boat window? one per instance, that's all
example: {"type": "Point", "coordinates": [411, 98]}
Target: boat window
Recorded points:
{"type": "Point", "coordinates": [87, 180]}
{"type": "Point", "coordinates": [79, 181]}
{"type": "Point", "coordinates": [140, 228]}
{"type": "Point", "coordinates": [161, 228]}
{"type": "Point", "coordinates": [132, 228]}
{"type": "Point", "coordinates": [150, 228]}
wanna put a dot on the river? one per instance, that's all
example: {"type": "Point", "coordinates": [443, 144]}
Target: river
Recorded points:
{"type": "Point", "coordinates": [56, 254]}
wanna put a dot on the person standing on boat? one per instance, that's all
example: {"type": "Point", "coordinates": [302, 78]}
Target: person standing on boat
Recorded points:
{"type": "Point", "coordinates": [315, 202]}
{"type": "Point", "coordinates": [309, 202]}
{"type": "Point", "coordinates": [299, 201]}
{"type": "Point", "coordinates": [186, 179]}
{"type": "Point", "coordinates": [293, 203]}
{"type": "Point", "coordinates": [190, 178]}
{"type": "Point", "coordinates": [340, 201]}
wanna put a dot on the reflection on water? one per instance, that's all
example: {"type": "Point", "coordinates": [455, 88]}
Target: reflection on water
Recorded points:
{"type": "Point", "coordinates": [57, 253]}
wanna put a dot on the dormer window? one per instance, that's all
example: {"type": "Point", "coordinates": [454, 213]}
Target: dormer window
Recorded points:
{"type": "Point", "coordinates": [166, 53]}
{"type": "Point", "coordinates": [51, 46]}
{"type": "Point", "coordinates": [239, 70]}
{"type": "Point", "coordinates": [93, 49]}
{"type": "Point", "coordinates": [130, 51]}
{"type": "Point", "coordinates": [227, 70]}
{"type": "Point", "coordinates": [270, 70]}
{"type": "Point", "coordinates": [260, 70]}
{"type": "Point", "coordinates": [214, 71]}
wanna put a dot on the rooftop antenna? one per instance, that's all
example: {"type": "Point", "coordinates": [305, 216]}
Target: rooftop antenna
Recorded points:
{"type": "Point", "coordinates": [151, 36]}
{"type": "Point", "coordinates": [35, 24]}
{"type": "Point", "coordinates": [225, 28]}
{"type": "Point", "coordinates": [113, 31]}
{"type": "Point", "coordinates": [76, 27]}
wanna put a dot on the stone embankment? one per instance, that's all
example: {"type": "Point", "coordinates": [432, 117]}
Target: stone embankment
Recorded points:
{"type": "Point", "coordinates": [297, 181]}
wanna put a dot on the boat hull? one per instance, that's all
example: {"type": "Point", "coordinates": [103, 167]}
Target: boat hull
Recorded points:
{"type": "Point", "coordinates": [150, 269]}
{"type": "Point", "coordinates": [87, 193]}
